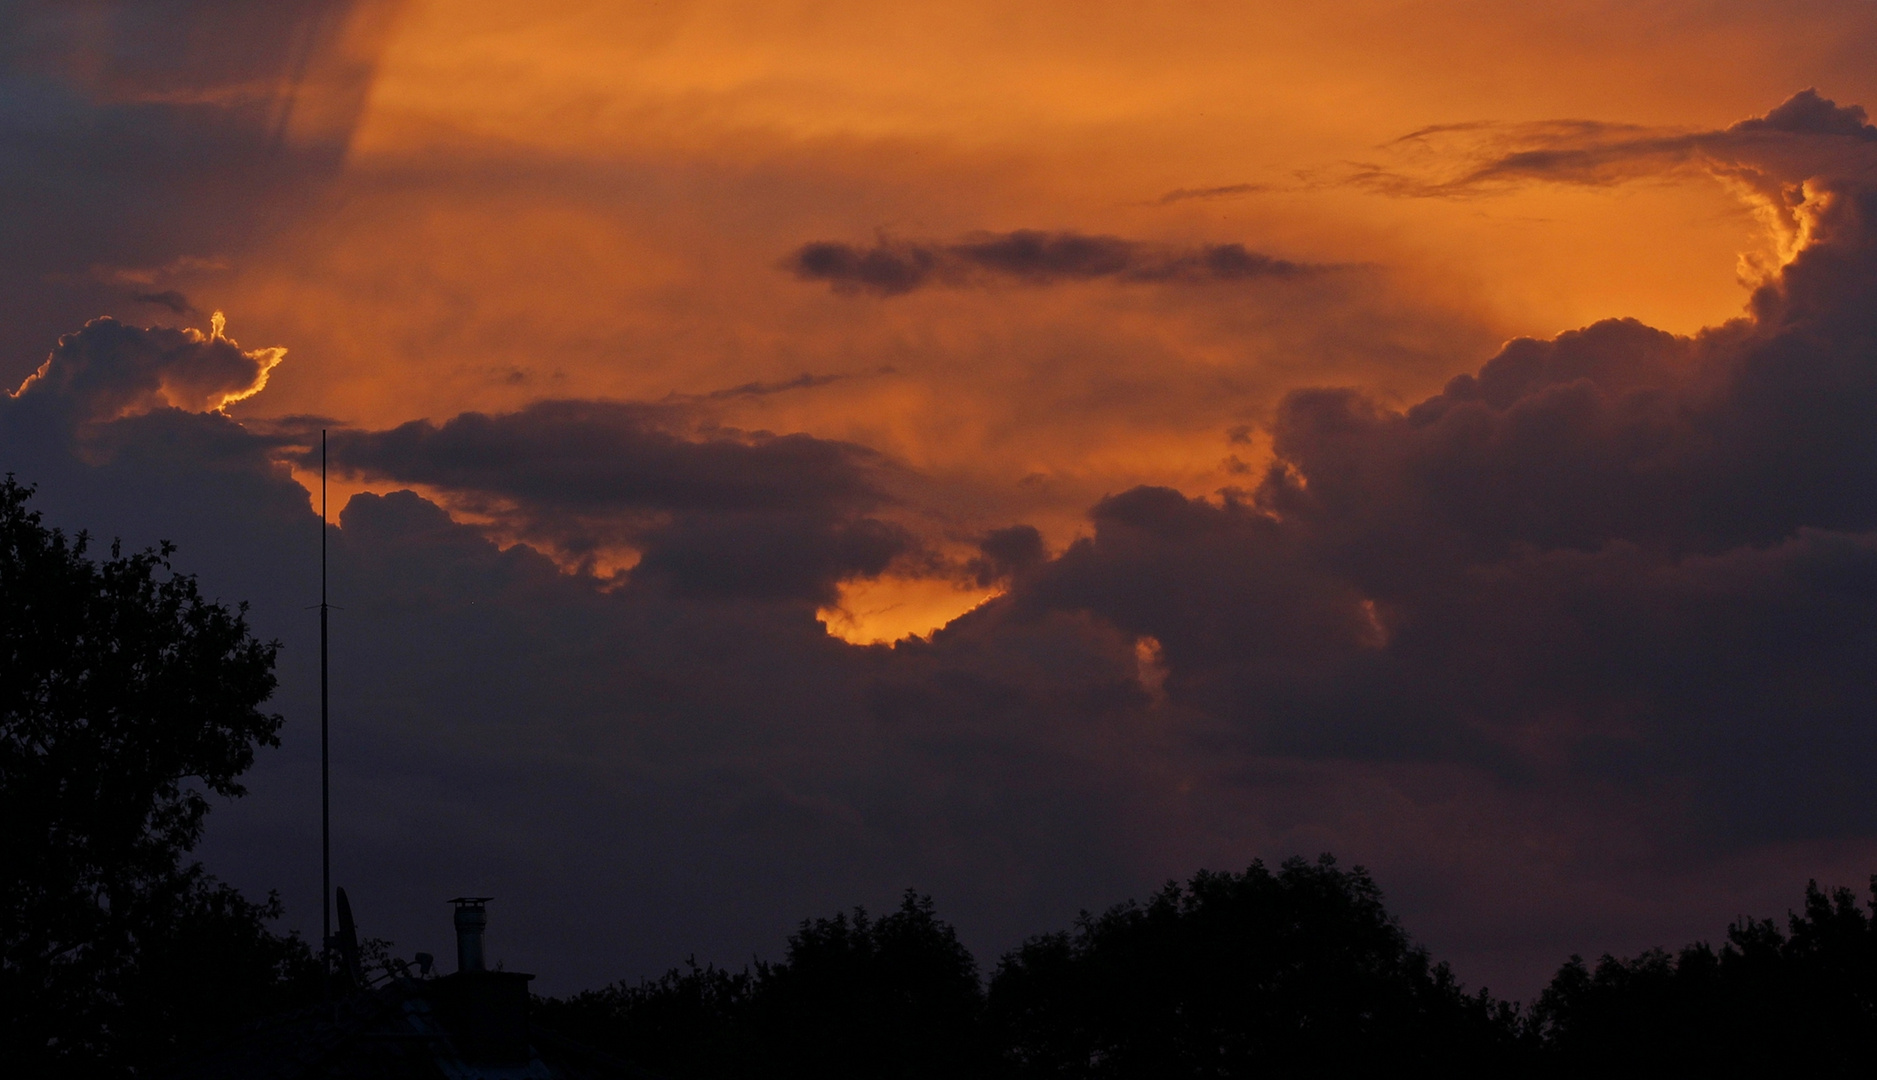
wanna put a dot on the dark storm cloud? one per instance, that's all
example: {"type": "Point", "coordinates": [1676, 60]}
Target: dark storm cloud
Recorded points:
{"type": "Point", "coordinates": [738, 513]}
{"type": "Point", "coordinates": [587, 455]}
{"type": "Point", "coordinates": [777, 556]}
{"type": "Point", "coordinates": [1007, 552]}
{"type": "Point", "coordinates": [891, 267]}
{"type": "Point", "coordinates": [1614, 555]}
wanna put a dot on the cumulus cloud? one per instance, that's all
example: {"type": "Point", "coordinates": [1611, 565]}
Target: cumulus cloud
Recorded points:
{"type": "Point", "coordinates": [1807, 113]}
{"type": "Point", "coordinates": [891, 267]}
{"type": "Point", "coordinates": [1618, 553]}
{"type": "Point", "coordinates": [1007, 552]}
{"type": "Point", "coordinates": [109, 370]}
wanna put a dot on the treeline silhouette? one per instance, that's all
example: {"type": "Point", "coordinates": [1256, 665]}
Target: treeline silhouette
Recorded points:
{"type": "Point", "coordinates": [1294, 972]}
{"type": "Point", "coordinates": [1802, 1001]}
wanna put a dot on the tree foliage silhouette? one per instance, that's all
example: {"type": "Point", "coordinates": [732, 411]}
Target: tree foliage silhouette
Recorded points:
{"type": "Point", "coordinates": [126, 702]}
{"type": "Point", "coordinates": [1768, 1002]}
{"type": "Point", "coordinates": [1297, 972]}
{"type": "Point", "coordinates": [1253, 974]}
{"type": "Point", "coordinates": [855, 997]}
{"type": "Point", "coordinates": [892, 997]}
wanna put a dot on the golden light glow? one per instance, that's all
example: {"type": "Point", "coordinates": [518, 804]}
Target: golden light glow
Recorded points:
{"type": "Point", "coordinates": [579, 198]}
{"type": "Point", "coordinates": [891, 609]}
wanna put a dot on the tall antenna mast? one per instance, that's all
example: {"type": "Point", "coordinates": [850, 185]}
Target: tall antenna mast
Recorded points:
{"type": "Point", "coordinates": [325, 772]}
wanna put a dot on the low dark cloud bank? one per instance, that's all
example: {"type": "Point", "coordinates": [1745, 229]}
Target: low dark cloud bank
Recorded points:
{"type": "Point", "coordinates": [722, 512]}
{"type": "Point", "coordinates": [1616, 556]}
{"type": "Point", "coordinates": [1607, 602]}
{"type": "Point", "coordinates": [891, 267]}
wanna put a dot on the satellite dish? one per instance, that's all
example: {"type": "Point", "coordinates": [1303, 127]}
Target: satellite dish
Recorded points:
{"type": "Point", "coordinates": [346, 941]}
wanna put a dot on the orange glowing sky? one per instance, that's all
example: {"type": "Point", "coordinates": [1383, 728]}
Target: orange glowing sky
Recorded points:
{"type": "Point", "coordinates": [582, 198]}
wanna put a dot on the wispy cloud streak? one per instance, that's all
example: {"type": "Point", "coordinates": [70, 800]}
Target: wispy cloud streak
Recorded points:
{"type": "Point", "coordinates": [891, 267]}
{"type": "Point", "coordinates": [1494, 157]}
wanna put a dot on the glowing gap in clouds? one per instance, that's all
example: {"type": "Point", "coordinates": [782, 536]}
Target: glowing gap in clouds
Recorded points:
{"type": "Point", "coordinates": [890, 609]}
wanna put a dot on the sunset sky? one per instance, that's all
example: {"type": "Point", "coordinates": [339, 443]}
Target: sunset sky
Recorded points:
{"type": "Point", "coordinates": [784, 453]}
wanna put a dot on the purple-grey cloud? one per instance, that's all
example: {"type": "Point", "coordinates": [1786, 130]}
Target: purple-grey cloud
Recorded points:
{"type": "Point", "coordinates": [1617, 553]}
{"type": "Point", "coordinates": [108, 370]}
{"type": "Point", "coordinates": [740, 513]}
{"type": "Point", "coordinates": [804, 381]}
{"type": "Point", "coordinates": [1006, 552]}
{"type": "Point", "coordinates": [1220, 191]}
{"type": "Point", "coordinates": [169, 300]}
{"type": "Point", "coordinates": [891, 267]}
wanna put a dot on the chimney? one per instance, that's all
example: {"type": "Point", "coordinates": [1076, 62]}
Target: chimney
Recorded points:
{"type": "Point", "coordinates": [471, 917]}
{"type": "Point", "coordinates": [485, 1013]}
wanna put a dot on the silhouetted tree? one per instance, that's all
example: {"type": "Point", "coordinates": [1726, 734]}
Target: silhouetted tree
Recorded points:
{"type": "Point", "coordinates": [855, 997]}
{"type": "Point", "coordinates": [126, 700]}
{"type": "Point", "coordinates": [1798, 1002]}
{"type": "Point", "coordinates": [1254, 974]}
{"type": "Point", "coordinates": [888, 998]}
{"type": "Point", "coordinates": [689, 1025]}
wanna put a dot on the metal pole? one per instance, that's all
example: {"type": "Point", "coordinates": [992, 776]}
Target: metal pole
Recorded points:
{"type": "Point", "coordinates": [325, 788]}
